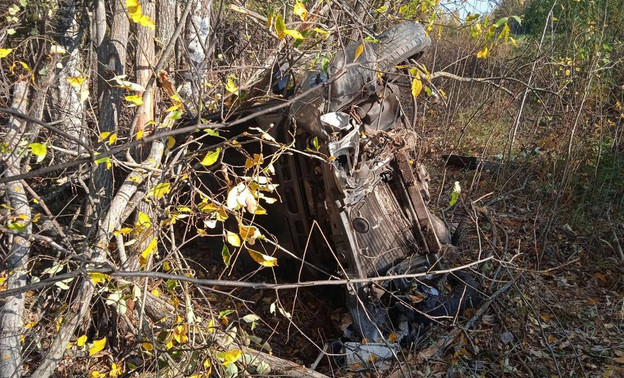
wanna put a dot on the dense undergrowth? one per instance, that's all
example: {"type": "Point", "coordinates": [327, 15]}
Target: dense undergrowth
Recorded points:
{"type": "Point", "coordinates": [540, 101]}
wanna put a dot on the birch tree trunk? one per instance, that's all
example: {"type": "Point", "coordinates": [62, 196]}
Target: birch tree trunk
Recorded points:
{"type": "Point", "coordinates": [11, 317]}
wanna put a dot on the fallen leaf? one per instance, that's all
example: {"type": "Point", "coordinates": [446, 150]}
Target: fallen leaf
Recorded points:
{"type": "Point", "coordinates": [97, 346]}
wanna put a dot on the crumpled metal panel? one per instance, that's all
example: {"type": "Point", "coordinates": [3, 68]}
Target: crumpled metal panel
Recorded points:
{"type": "Point", "coordinates": [388, 236]}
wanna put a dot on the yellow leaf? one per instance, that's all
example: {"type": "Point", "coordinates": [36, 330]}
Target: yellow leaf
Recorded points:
{"type": "Point", "coordinates": [257, 160]}
{"type": "Point", "coordinates": [262, 259]}
{"type": "Point", "coordinates": [180, 334]}
{"type": "Point", "coordinates": [112, 139]}
{"type": "Point", "coordinates": [472, 17]}
{"type": "Point", "coordinates": [140, 135]}
{"type": "Point", "coordinates": [513, 41]}
{"type": "Point", "coordinates": [98, 277]}
{"type": "Point", "coordinates": [151, 248]}
{"type": "Point", "coordinates": [321, 31]}
{"type": "Point", "coordinates": [75, 81]}
{"type": "Point", "coordinates": [230, 86]}
{"type": "Point", "coordinates": [211, 157]}
{"type": "Point", "coordinates": [81, 340]}
{"type": "Point", "coordinates": [211, 326]}
{"type": "Point", "coordinates": [156, 292]}
{"type": "Point", "coordinates": [147, 22]}
{"type": "Point", "coordinates": [103, 136]}
{"type": "Point", "coordinates": [170, 142]}
{"type": "Point", "coordinates": [144, 220]}
{"type": "Point", "coordinates": [97, 346]}
{"type": "Point", "coordinates": [280, 27]}
{"type": "Point", "coordinates": [122, 231]}
{"type": "Point", "coordinates": [568, 72]}
{"type": "Point", "coordinates": [484, 53]}
{"type": "Point", "coordinates": [59, 320]}
{"type": "Point", "coordinates": [96, 374]}
{"type": "Point", "coordinates": [293, 33]}
{"type": "Point", "coordinates": [359, 51]}
{"type": "Point", "coordinates": [249, 233]}
{"type": "Point", "coordinates": [115, 371]}
{"type": "Point", "coordinates": [24, 65]}
{"type": "Point", "coordinates": [5, 52]}
{"type": "Point", "coordinates": [136, 14]}
{"type": "Point", "coordinates": [148, 346]}
{"type": "Point", "coordinates": [232, 238]}
{"type": "Point", "coordinates": [301, 11]}
{"type": "Point", "coordinates": [39, 150]}
{"type": "Point", "coordinates": [30, 325]}
{"type": "Point", "coordinates": [230, 357]}
{"type": "Point", "coordinates": [160, 190]}
{"type": "Point", "coordinates": [135, 100]}
{"type": "Point", "coordinates": [417, 87]}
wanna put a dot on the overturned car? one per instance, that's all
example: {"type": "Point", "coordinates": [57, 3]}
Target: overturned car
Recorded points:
{"type": "Point", "coordinates": [361, 211]}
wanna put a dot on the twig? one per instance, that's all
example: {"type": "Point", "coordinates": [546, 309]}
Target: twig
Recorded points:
{"type": "Point", "coordinates": [227, 283]}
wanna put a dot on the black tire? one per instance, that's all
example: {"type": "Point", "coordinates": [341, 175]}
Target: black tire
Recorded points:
{"type": "Point", "coordinates": [400, 42]}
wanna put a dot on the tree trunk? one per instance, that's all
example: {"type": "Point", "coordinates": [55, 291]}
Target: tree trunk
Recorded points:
{"type": "Point", "coordinates": [11, 318]}
{"type": "Point", "coordinates": [145, 61]}
{"type": "Point", "coordinates": [66, 101]}
{"type": "Point", "coordinates": [112, 60]}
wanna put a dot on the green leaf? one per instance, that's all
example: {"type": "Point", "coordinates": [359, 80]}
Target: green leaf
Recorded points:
{"type": "Point", "coordinates": [315, 143]}
{"type": "Point", "coordinates": [371, 39]}
{"type": "Point", "coordinates": [211, 132]}
{"type": "Point", "coordinates": [39, 150]}
{"type": "Point", "coordinates": [211, 157]}
{"type": "Point", "coordinates": [501, 22]}
{"type": "Point", "coordinates": [17, 226]}
{"type": "Point", "coordinates": [230, 86]}
{"type": "Point", "coordinates": [106, 160]}
{"type": "Point", "coordinates": [225, 313]}
{"type": "Point", "coordinates": [455, 194]}
{"type": "Point", "coordinates": [225, 254]}
{"type": "Point", "coordinates": [472, 17]}
{"type": "Point", "coordinates": [517, 18]}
